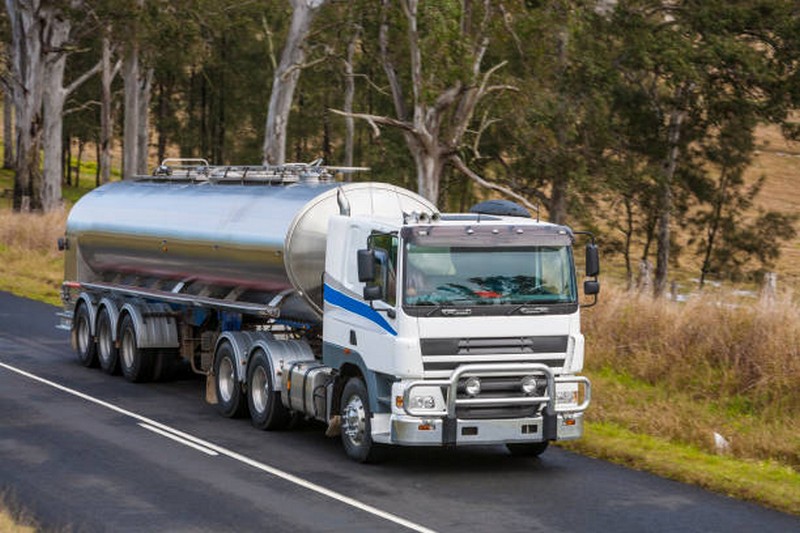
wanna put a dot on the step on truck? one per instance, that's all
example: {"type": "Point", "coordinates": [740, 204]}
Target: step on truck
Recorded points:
{"type": "Point", "coordinates": [356, 304]}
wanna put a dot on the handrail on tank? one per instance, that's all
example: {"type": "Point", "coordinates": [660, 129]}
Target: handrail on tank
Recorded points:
{"type": "Point", "coordinates": [194, 170]}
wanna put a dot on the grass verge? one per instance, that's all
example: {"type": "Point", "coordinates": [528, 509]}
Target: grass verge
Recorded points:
{"type": "Point", "coordinates": [765, 482]}
{"type": "Point", "coordinates": [12, 520]}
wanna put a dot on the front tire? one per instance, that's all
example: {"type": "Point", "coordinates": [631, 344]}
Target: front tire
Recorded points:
{"type": "Point", "coordinates": [135, 363]}
{"type": "Point", "coordinates": [357, 423]}
{"type": "Point", "coordinates": [85, 346]}
{"type": "Point", "coordinates": [231, 402]}
{"type": "Point", "coordinates": [107, 352]}
{"type": "Point", "coordinates": [267, 411]}
{"type": "Point", "coordinates": [534, 449]}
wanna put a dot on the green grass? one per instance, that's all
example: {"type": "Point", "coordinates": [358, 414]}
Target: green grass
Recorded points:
{"type": "Point", "coordinates": [765, 482]}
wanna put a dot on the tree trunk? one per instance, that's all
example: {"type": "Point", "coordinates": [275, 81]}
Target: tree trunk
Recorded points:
{"type": "Point", "coordinates": [58, 29]}
{"type": "Point", "coordinates": [665, 202]}
{"type": "Point", "coordinates": [285, 80]}
{"type": "Point", "coordinates": [106, 78]}
{"type": "Point", "coordinates": [714, 226]}
{"type": "Point", "coordinates": [430, 165]}
{"type": "Point", "coordinates": [68, 160]}
{"type": "Point", "coordinates": [8, 127]}
{"type": "Point", "coordinates": [558, 198]}
{"type": "Point", "coordinates": [130, 132]}
{"type": "Point", "coordinates": [349, 94]}
{"type": "Point", "coordinates": [628, 239]}
{"type": "Point", "coordinates": [28, 71]}
{"type": "Point", "coordinates": [143, 123]}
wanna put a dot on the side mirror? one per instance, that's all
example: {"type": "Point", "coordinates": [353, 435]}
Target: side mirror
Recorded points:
{"type": "Point", "coordinates": [592, 261]}
{"type": "Point", "coordinates": [591, 287]}
{"type": "Point", "coordinates": [366, 267]}
{"type": "Point", "coordinates": [373, 292]}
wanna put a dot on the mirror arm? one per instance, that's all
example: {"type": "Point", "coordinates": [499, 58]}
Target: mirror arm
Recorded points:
{"type": "Point", "coordinates": [594, 302]}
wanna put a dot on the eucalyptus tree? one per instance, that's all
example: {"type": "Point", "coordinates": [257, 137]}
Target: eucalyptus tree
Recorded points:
{"type": "Point", "coordinates": [677, 60]}
{"type": "Point", "coordinates": [42, 33]}
{"type": "Point", "coordinates": [284, 81]}
{"type": "Point", "coordinates": [434, 59]}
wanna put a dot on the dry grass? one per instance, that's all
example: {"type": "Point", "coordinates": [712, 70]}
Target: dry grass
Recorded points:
{"type": "Point", "coordinates": [31, 231]}
{"type": "Point", "coordinates": [30, 263]}
{"type": "Point", "coordinates": [683, 371]}
{"type": "Point", "coordinates": [12, 519]}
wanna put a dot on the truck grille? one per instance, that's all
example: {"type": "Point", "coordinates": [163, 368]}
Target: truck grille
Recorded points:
{"type": "Point", "coordinates": [441, 356]}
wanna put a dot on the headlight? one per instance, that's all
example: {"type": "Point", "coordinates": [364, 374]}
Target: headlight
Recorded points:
{"type": "Point", "coordinates": [423, 402]}
{"type": "Point", "coordinates": [567, 393]}
{"type": "Point", "coordinates": [529, 385]}
{"type": "Point", "coordinates": [473, 386]}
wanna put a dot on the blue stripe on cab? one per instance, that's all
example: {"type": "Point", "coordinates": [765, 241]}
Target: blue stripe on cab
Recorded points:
{"type": "Point", "coordinates": [340, 299]}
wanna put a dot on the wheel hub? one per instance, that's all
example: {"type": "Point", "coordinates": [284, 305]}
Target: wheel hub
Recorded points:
{"type": "Point", "coordinates": [354, 418]}
{"type": "Point", "coordinates": [225, 379]}
{"type": "Point", "coordinates": [260, 389]}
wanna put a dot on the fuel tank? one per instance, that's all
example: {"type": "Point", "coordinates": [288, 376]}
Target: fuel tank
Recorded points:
{"type": "Point", "coordinates": [264, 239]}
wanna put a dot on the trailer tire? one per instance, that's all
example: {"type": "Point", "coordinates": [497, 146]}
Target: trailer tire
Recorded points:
{"type": "Point", "coordinates": [267, 411]}
{"type": "Point", "coordinates": [534, 449]}
{"type": "Point", "coordinates": [231, 402]}
{"type": "Point", "coordinates": [85, 346]}
{"type": "Point", "coordinates": [357, 424]}
{"type": "Point", "coordinates": [136, 364]}
{"type": "Point", "coordinates": [107, 352]}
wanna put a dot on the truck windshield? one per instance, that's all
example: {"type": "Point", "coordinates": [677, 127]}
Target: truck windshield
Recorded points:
{"type": "Point", "coordinates": [441, 275]}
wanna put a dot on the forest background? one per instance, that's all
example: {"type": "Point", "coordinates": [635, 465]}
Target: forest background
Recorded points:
{"type": "Point", "coordinates": [654, 123]}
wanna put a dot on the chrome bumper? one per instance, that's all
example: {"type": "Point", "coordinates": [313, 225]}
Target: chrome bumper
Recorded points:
{"type": "Point", "coordinates": [421, 427]}
{"type": "Point", "coordinates": [413, 431]}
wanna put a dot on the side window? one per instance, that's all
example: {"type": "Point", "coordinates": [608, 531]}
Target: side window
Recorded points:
{"type": "Point", "coordinates": [388, 244]}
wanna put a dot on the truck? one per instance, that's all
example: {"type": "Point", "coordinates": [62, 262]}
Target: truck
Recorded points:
{"type": "Point", "coordinates": [357, 304]}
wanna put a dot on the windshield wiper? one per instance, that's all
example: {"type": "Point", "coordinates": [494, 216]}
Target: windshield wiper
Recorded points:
{"type": "Point", "coordinates": [528, 309]}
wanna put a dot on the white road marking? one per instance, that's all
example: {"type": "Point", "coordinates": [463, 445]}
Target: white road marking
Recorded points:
{"type": "Point", "coordinates": [319, 489]}
{"type": "Point", "coordinates": [178, 439]}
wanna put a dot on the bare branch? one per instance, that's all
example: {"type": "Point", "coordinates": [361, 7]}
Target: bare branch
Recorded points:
{"type": "Point", "coordinates": [488, 74]}
{"type": "Point", "coordinates": [305, 65]}
{"type": "Point", "coordinates": [461, 166]}
{"type": "Point", "coordinates": [85, 105]}
{"type": "Point", "coordinates": [270, 44]}
{"type": "Point", "coordinates": [83, 78]}
{"type": "Point", "coordinates": [374, 120]}
{"type": "Point", "coordinates": [116, 69]}
{"type": "Point", "coordinates": [507, 24]}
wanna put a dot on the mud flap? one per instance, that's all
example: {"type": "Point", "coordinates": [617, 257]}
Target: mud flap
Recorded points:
{"type": "Point", "coordinates": [211, 389]}
{"type": "Point", "coordinates": [334, 427]}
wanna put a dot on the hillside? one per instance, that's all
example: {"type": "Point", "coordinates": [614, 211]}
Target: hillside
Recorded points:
{"type": "Point", "coordinates": [779, 160]}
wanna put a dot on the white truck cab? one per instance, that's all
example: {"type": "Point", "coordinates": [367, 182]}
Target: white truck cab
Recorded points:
{"type": "Point", "coordinates": [465, 329]}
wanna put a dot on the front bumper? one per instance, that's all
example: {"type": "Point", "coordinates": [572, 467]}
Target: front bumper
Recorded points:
{"type": "Point", "coordinates": [414, 431]}
{"type": "Point", "coordinates": [421, 427]}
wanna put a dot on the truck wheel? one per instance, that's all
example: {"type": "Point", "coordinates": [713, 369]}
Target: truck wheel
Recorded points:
{"type": "Point", "coordinates": [534, 449]}
{"type": "Point", "coordinates": [230, 398]}
{"type": "Point", "coordinates": [85, 346]}
{"type": "Point", "coordinates": [266, 408]}
{"type": "Point", "coordinates": [107, 353]}
{"type": "Point", "coordinates": [135, 363]}
{"type": "Point", "coordinates": [357, 423]}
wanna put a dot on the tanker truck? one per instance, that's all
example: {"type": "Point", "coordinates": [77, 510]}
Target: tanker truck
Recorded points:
{"type": "Point", "coordinates": [356, 304]}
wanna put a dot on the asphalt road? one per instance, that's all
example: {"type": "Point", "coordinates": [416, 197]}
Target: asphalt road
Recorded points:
{"type": "Point", "coordinates": [85, 451]}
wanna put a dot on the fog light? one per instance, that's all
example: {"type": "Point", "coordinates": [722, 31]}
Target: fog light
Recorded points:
{"type": "Point", "coordinates": [529, 385]}
{"type": "Point", "coordinates": [473, 386]}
